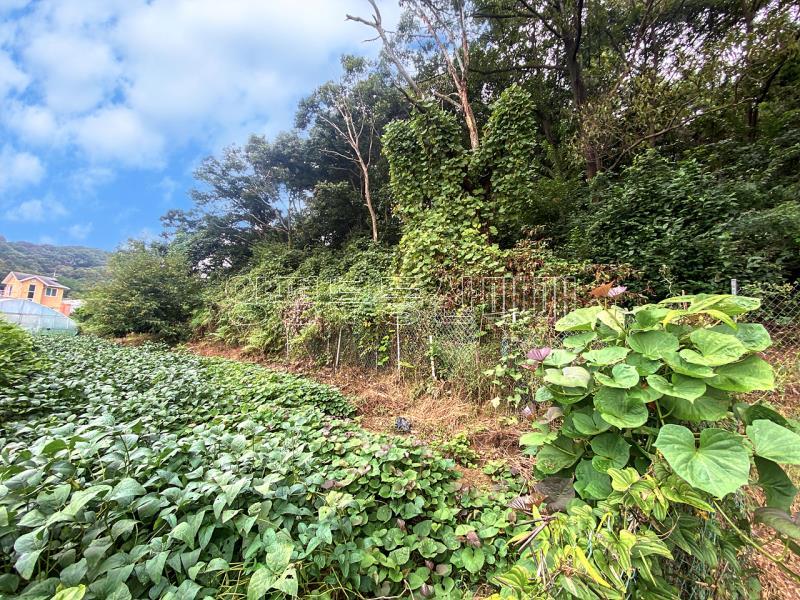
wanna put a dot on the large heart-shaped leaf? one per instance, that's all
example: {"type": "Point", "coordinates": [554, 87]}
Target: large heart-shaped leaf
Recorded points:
{"type": "Point", "coordinates": [589, 422]}
{"type": "Point", "coordinates": [579, 341]}
{"type": "Point", "coordinates": [778, 488]}
{"type": "Point", "coordinates": [606, 356]}
{"type": "Point", "coordinates": [712, 406]}
{"type": "Point", "coordinates": [649, 316]}
{"type": "Point", "coordinates": [754, 336]}
{"type": "Point", "coordinates": [581, 319]}
{"type": "Point", "coordinates": [568, 377]}
{"type": "Point", "coordinates": [611, 452]}
{"type": "Point", "coordinates": [681, 386]}
{"type": "Point", "coordinates": [774, 442]}
{"type": "Point", "coordinates": [751, 374]}
{"type": "Point", "coordinates": [559, 358]}
{"type": "Point", "coordinates": [590, 483]}
{"type": "Point", "coordinates": [719, 464]}
{"type": "Point", "coordinates": [679, 365]}
{"type": "Point", "coordinates": [559, 454]}
{"type": "Point", "coordinates": [780, 521]}
{"type": "Point", "coordinates": [644, 366]}
{"type": "Point", "coordinates": [622, 376]}
{"type": "Point", "coordinates": [653, 344]}
{"type": "Point", "coordinates": [715, 349]}
{"type": "Point", "coordinates": [621, 408]}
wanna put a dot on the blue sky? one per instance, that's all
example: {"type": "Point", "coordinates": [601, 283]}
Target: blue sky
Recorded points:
{"type": "Point", "coordinates": [107, 106]}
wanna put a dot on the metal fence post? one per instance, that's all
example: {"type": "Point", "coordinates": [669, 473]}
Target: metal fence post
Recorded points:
{"type": "Point", "coordinates": [734, 287]}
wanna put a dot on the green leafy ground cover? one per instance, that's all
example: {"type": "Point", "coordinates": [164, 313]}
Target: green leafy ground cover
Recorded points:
{"type": "Point", "coordinates": [138, 473]}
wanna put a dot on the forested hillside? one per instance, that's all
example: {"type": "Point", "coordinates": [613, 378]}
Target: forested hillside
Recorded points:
{"type": "Point", "coordinates": [77, 267]}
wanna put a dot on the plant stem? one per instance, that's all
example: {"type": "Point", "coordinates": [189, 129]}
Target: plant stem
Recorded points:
{"type": "Point", "coordinates": [758, 547]}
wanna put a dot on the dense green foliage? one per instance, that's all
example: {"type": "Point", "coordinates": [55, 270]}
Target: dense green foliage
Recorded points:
{"type": "Point", "coordinates": [644, 425]}
{"type": "Point", "coordinates": [76, 267]}
{"type": "Point", "coordinates": [18, 359]}
{"type": "Point", "coordinates": [149, 290]}
{"type": "Point", "coordinates": [139, 473]}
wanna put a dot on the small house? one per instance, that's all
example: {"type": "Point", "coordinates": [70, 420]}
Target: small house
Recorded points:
{"type": "Point", "coordinates": [37, 288]}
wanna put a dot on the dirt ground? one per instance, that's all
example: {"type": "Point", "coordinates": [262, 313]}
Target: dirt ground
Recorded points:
{"type": "Point", "coordinates": [437, 414]}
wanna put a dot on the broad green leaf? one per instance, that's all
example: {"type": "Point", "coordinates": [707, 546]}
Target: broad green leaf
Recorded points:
{"type": "Point", "coordinates": [653, 344]}
{"type": "Point", "coordinates": [126, 490]}
{"type": "Point", "coordinates": [559, 454]}
{"type": "Point", "coordinates": [719, 464]}
{"type": "Point", "coordinates": [712, 406]}
{"type": "Point", "coordinates": [620, 408]}
{"type": "Point", "coordinates": [541, 435]}
{"type": "Point", "coordinates": [726, 303]}
{"type": "Point", "coordinates": [681, 386]}
{"type": "Point", "coordinates": [559, 358]}
{"type": "Point", "coordinates": [622, 376]}
{"type": "Point", "coordinates": [568, 377]}
{"type": "Point", "coordinates": [611, 452]}
{"type": "Point", "coordinates": [581, 319]}
{"type": "Point", "coordinates": [590, 423]}
{"type": "Point", "coordinates": [715, 349]}
{"type": "Point", "coordinates": [473, 559]}
{"type": "Point", "coordinates": [73, 593]}
{"type": "Point", "coordinates": [606, 356]}
{"type": "Point", "coordinates": [80, 499]}
{"type": "Point", "coordinates": [612, 317]}
{"type": "Point", "coordinates": [623, 479]}
{"type": "Point", "coordinates": [774, 442]}
{"type": "Point", "coordinates": [754, 412]}
{"type": "Point", "coordinates": [780, 521]}
{"type": "Point", "coordinates": [26, 563]}
{"type": "Point", "coordinates": [590, 483]}
{"type": "Point", "coordinates": [579, 341]}
{"type": "Point", "coordinates": [679, 365]}
{"type": "Point", "coordinates": [154, 567]}
{"type": "Point", "coordinates": [751, 374]}
{"type": "Point", "coordinates": [644, 366]}
{"type": "Point", "coordinates": [649, 316]}
{"type": "Point", "coordinates": [778, 488]}
{"type": "Point", "coordinates": [754, 336]}
{"type": "Point", "coordinates": [261, 582]}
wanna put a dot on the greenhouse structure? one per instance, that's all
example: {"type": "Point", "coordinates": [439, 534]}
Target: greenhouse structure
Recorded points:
{"type": "Point", "coordinates": [36, 318]}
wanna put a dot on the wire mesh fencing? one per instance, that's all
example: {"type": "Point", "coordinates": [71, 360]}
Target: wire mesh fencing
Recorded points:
{"type": "Point", "coordinates": [780, 314]}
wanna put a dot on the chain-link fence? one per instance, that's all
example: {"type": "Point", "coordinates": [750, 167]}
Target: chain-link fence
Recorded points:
{"type": "Point", "coordinates": [780, 314]}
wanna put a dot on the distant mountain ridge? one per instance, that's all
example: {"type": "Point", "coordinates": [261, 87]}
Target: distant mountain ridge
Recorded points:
{"type": "Point", "coordinates": [77, 267]}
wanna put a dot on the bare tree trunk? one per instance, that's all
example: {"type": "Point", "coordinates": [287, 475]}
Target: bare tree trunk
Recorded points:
{"type": "Point", "coordinates": [368, 201]}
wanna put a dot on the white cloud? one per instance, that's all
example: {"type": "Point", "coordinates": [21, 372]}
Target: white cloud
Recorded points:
{"type": "Point", "coordinates": [118, 134]}
{"type": "Point", "coordinates": [79, 231]}
{"type": "Point", "coordinates": [11, 76]}
{"type": "Point", "coordinates": [36, 211]}
{"type": "Point", "coordinates": [34, 124]}
{"type": "Point", "coordinates": [18, 169]}
{"type": "Point", "coordinates": [75, 73]}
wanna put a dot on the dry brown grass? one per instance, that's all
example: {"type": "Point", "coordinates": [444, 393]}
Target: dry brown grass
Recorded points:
{"type": "Point", "coordinates": [436, 413]}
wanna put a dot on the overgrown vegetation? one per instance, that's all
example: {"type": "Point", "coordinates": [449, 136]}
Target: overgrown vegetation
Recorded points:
{"type": "Point", "coordinates": [650, 143]}
{"type": "Point", "coordinates": [136, 473]}
{"type": "Point", "coordinates": [645, 426]}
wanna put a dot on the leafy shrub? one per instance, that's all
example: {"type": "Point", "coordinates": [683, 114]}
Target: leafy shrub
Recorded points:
{"type": "Point", "coordinates": [646, 430]}
{"type": "Point", "coordinates": [18, 359]}
{"type": "Point", "coordinates": [149, 290]}
{"type": "Point", "coordinates": [690, 227]}
{"type": "Point", "coordinates": [139, 473]}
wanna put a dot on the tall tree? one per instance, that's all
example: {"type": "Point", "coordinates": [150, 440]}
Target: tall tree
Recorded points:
{"type": "Point", "coordinates": [432, 28]}
{"type": "Point", "coordinates": [349, 107]}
